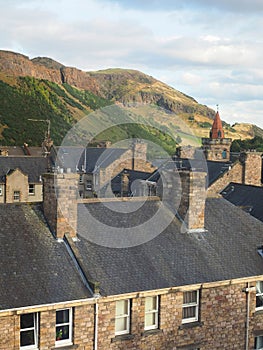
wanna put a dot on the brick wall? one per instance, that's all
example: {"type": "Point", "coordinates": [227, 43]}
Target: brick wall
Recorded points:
{"type": "Point", "coordinates": [60, 192]}
{"type": "Point", "coordinates": [221, 324]}
{"type": "Point", "coordinates": [252, 172]}
{"type": "Point", "coordinates": [248, 171]}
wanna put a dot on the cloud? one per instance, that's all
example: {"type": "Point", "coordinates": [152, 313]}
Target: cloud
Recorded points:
{"type": "Point", "coordinates": [201, 52]}
{"type": "Point", "coordinates": [240, 6]}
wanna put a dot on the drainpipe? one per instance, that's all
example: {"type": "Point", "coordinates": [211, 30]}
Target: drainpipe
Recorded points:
{"type": "Point", "coordinates": [248, 290]}
{"type": "Point", "coordinates": [96, 324]}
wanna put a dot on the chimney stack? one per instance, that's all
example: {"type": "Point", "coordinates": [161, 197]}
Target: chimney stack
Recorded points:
{"type": "Point", "coordinates": [252, 168]}
{"type": "Point", "coordinates": [60, 192]}
{"type": "Point", "coordinates": [185, 192]}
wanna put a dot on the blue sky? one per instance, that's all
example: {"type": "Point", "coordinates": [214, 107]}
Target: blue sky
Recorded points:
{"type": "Point", "coordinates": [210, 50]}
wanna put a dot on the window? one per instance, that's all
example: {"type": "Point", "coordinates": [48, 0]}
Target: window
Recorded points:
{"type": "Point", "coordinates": [89, 185]}
{"type": "Point", "coordinates": [258, 342]}
{"type": "Point", "coordinates": [81, 178]}
{"type": "Point", "coordinates": [190, 306]}
{"type": "Point", "coordinates": [16, 196]}
{"type": "Point", "coordinates": [29, 331]}
{"type": "Point", "coordinates": [151, 313]}
{"type": "Point", "coordinates": [31, 189]}
{"type": "Point", "coordinates": [122, 317]}
{"type": "Point", "coordinates": [1, 190]}
{"type": "Point", "coordinates": [63, 327]}
{"type": "Point", "coordinates": [259, 295]}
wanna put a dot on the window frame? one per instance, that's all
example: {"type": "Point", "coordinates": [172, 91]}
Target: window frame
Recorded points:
{"type": "Point", "coordinates": [154, 312]}
{"type": "Point", "coordinates": [35, 328]}
{"type": "Point", "coordinates": [191, 304]}
{"type": "Point", "coordinates": [81, 178]}
{"type": "Point", "coordinates": [15, 194]}
{"type": "Point", "coordinates": [31, 189]}
{"type": "Point", "coordinates": [259, 295]}
{"type": "Point", "coordinates": [62, 342]}
{"type": "Point", "coordinates": [255, 342]}
{"type": "Point", "coordinates": [124, 316]}
{"type": "Point", "coordinates": [1, 189]}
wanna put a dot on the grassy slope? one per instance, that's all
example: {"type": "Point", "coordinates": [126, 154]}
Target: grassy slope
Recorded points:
{"type": "Point", "coordinates": [181, 118]}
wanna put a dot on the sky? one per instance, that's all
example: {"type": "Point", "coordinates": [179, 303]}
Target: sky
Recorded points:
{"type": "Point", "coordinates": [211, 50]}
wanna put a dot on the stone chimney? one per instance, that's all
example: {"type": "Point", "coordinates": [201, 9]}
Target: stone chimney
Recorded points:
{"type": "Point", "coordinates": [185, 193]}
{"type": "Point", "coordinates": [139, 154]}
{"type": "Point", "coordinates": [60, 192]}
{"type": "Point", "coordinates": [252, 168]}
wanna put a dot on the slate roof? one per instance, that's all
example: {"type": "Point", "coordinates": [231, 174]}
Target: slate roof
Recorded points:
{"type": "Point", "coordinates": [133, 176]}
{"type": "Point", "coordinates": [227, 250]}
{"type": "Point", "coordinates": [35, 269]}
{"type": "Point", "coordinates": [248, 197]}
{"type": "Point", "coordinates": [34, 167]}
{"type": "Point", "coordinates": [76, 159]}
{"type": "Point", "coordinates": [214, 169]}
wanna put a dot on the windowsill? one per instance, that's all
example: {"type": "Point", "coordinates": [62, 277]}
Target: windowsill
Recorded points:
{"type": "Point", "coordinates": [122, 337]}
{"type": "Point", "coordinates": [65, 347]}
{"type": "Point", "coordinates": [259, 311]}
{"type": "Point", "coordinates": [148, 332]}
{"type": "Point", "coordinates": [190, 325]}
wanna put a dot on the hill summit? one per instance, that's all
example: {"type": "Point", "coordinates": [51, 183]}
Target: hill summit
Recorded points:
{"type": "Point", "coordinates": [43, 88]}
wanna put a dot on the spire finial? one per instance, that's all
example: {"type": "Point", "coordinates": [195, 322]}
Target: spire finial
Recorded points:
{"type": "Point", "coordinates": [217, 107]}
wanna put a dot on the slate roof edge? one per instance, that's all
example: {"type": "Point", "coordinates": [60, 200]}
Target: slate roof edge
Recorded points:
{"type": "Point", "coordinates": [92, 286]}
{"type": "Point", "coordinates": [118, 199]}
{"type": "Point", "coordinates": [183, 288]}
{"type": "Point", "coordinates": [49, 306]}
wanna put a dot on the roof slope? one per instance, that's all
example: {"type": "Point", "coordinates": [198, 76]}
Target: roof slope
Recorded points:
{"type": "Point", "coordinates": [248, 197]}
{"type": "Point", "coordinates": [31, 166]}
{"type": "Point", "coordinates": [227, 250]}
{"type": "Point", "coordinates": [35, 269]}
{"type": "Point", "coordinates": [79, 158]}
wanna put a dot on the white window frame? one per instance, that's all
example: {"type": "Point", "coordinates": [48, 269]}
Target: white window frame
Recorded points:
{"type": "Point", "coordinates": [192, 304]}
{"type": "Point", "coordinates": [32, 190]}
{"type": "Point", "coordinates": [89, 185]}
{"type": "Point", "coordinates": [35, 328]}
{"type": "Point", "coordinates": [124, 316]}
{"type": "Point", "coordinates": [68, 341]}
{"type": "Point", "coordinates": [154, 312]}
{"type": "Point", "coordinates": [257, 340]}
{"type": "Point", "coordinates": [259, 294]}
{"type": "Point", "coordinates": [16, 196]}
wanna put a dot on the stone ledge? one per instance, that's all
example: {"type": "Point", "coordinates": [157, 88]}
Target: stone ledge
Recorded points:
{"type": "Point", "coordinates": [191, 325]}
{"type": "Point", "coordinates": [151, 332]}
{"type": "Point", "coordinates": [122, 337]}
{"type": "Point", "coordinates": [65, 347]}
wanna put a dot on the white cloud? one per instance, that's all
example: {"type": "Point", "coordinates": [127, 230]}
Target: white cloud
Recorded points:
{"type": "Point", "coordinates": [202, 48]}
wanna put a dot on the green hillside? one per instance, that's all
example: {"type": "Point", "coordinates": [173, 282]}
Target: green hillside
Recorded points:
{"type": "Point", "coordinates": [30, 98]}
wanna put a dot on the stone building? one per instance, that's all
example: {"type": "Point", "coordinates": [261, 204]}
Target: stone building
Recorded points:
{"type": "Point", "coordinates": [217, 147]}
{"type": "Point", "coordinates": [180, 272]}
{"type": "Point", "coordinates": [97, 166]}
{"type": "Point", "coordinates": [21, 178]}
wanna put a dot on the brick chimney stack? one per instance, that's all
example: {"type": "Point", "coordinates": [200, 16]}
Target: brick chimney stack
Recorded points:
{"type": "Point", "coordinates": [185, 192]}
{"type": "Point", "coordinates": [252, 168]}
{"type": "Point", "coordinates": [60, 193]}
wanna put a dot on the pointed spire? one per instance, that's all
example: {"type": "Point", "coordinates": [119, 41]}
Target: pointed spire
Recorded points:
{"type": "Point", "coordinates": [217, 131]}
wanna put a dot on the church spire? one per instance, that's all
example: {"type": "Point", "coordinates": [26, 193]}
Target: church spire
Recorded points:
{"type": "Point", "coordinates": [217, 131]}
